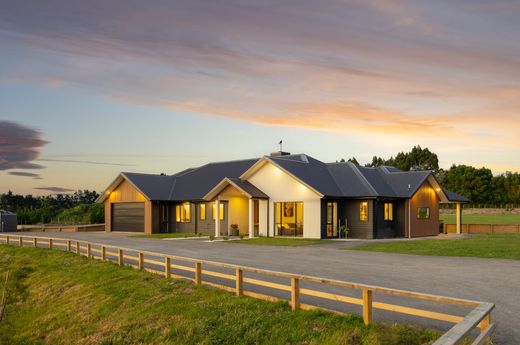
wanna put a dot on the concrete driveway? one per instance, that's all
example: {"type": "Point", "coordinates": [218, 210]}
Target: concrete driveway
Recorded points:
{"type": "Point", "coordinates": [490, 280]}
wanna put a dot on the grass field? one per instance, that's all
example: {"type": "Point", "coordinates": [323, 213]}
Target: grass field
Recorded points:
{"type": "Point", "coordinates": [481, 246]}
{"type": "Point", "coordinates": [483, 218]}
{"type": "Point", "coordinates": [60, 298]}
{"type": "Point", "coordinates": [280, 241]}
{"type": "Point", "coordinates": [167, 235]}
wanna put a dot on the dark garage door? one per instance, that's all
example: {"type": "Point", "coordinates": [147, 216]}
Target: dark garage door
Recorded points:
{"type": "Point", "coordinates": [128, 216]}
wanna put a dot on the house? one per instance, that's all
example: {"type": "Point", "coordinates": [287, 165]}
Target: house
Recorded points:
{"type": "Point", "coordinates": [279, 195]}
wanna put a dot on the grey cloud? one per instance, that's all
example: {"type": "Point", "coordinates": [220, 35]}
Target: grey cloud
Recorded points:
{"type": "Point", "coordinates": [24, 174]}
{"type": "Point", "coordinates": [56, 189]}
{"type": "Point", "coordinates": [19, 146]}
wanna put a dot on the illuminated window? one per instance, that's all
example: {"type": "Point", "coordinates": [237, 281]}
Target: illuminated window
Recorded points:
{"type": "Point", "coordinates": [363, 211]}
{"type": "Point", "coordinates": [423, 213]}
{"type": "Point", "coordinates": [288, 218]}
{"type": "Point", "coordinates": [202, 211]}
{"type": "Point", "coordinates": [183, 213]}
{"type": "Point", "coordinates": [389, 211]}
{"type": "Point", "coordinates": [221, 211]}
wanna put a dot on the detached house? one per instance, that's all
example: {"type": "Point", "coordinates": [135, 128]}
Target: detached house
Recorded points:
{"type": "Point", "coordinates": [279, 195]}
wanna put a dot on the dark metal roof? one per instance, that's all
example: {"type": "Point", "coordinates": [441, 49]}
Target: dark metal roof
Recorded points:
{"type": "Point", "coordinates": [454, 197]}
{"type": "Point", "coordinates": [329, 179]}
{"type": "Point", "coordinates": [249, 188]}
{"type": "Point", "coordinates": [311, 171]}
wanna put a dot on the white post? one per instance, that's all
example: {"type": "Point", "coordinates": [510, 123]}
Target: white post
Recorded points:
{"type": "Point", "coordinates": [217, 218]}
{"type": "Point", "coordinates": [459, 223]}
{"type": "Point", "coordinates": [251, 218]}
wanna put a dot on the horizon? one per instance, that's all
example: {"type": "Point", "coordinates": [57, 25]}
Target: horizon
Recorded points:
{"type": "Point", "coordinates": [88, 90]}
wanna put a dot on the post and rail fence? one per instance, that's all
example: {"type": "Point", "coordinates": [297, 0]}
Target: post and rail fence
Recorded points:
{"type": "Point", "coordinates": [478, 319]}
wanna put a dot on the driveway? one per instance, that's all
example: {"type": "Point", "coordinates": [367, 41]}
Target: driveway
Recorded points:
{"type": "Point", "coordinates": [490, 280]}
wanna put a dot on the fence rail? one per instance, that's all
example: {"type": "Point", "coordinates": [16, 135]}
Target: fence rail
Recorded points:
{"type": "Point", "coordinates": [483, 228]}
{"type": "Point", "coordinates": [198, 271]}
{"type": "Point", "coordinates": [62, 228]}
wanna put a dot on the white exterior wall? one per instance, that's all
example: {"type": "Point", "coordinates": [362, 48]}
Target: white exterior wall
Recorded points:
{"type": "Point", "coordinates": [280, 187]}
{"type": "Point", "coordinates": [262, 215]}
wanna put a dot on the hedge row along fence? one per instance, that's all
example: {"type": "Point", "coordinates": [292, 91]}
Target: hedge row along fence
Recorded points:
{"type": "Point", "coordinates": [242, 281]}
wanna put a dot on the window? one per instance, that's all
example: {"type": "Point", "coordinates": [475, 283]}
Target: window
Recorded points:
{"type": "Point", "coordinates": [389, 211]}
{"type": "Point", "coordinates": [221, 213]}
{"type": "Point", "coordinates": [202, 211]}
{"type": "Point", "coordinates": [288, 218]}
{"type": "Point", "coordinates": [363, 211]}
{"type": "Point", "coordinates": [423, 213]}
{"type": "Point", "coordinates": [332, 229]}
{"type": "Point", "coordinates": [183, 213]}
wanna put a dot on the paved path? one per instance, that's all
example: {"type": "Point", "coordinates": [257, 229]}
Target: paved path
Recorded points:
{"type": "Point", "coordinates": [490, 280]}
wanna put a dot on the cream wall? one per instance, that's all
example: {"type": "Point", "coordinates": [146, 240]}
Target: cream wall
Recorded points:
{"type": "Point", "coordinates": [280, 186]}
{"type": "Point", "coordinates": [238, 209]}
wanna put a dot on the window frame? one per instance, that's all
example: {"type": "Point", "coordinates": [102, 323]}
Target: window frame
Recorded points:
{"type": "Point", "coordinates": [221, 213]}
{"type": "Point", "coordinates": [183, 213]}
{"type": "Point", "coordinates": [202, 211]}
{"type": "Point", "coordinates": [363, 214]}
{"type": "Point", "coordinates": [388, 211]}
{"type": "Point", "coordinates": [428, 213]}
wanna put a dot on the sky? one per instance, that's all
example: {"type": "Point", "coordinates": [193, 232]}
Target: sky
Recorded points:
{"type": "Point", "coordinates": [92, 88]}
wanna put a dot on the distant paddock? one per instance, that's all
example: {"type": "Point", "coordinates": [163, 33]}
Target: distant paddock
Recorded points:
{"type": "Point", "coordinates": [62, 228]}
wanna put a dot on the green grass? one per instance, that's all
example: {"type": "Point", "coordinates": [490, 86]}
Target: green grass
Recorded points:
{"type": "Point", "coordinates": [483, 218]}
{"type": "Point", "coordinates": [60, 298]}
{"type": "Point", "coordinates": [167, 235]}
{"type": "Point", "coordinates": [480, 246]}
{"type": "Point", "coordinates": [280, 241]}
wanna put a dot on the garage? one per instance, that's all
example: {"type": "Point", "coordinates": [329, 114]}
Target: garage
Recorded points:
{"type": "Point", "coordinates": [128, 216]}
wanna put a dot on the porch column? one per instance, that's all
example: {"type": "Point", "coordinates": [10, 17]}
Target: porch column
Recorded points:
{"type": "Point", "coordinates": [459, 218]}
{"type": "Point", "coordinates": [217, 218]}
{"type": "Point", "coordinates": [251, 218]}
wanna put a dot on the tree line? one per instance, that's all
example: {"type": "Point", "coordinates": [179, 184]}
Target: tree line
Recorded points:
{"type": "Point", "coordinates": [77, 208]}
{"type": "Point", "coordinates": [478, 184]}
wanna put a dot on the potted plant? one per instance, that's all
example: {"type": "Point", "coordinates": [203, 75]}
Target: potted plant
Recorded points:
{"type": "Point", "coordinates": [233, 231]}
{"type": "Point", "coordinates": [343, 231]}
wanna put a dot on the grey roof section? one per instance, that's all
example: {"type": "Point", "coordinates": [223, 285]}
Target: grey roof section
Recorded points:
{"type": "Point", "coordinates": [249, 188]}
{"type": "Point", "coordinates": [454, 197]}
{"type": "Point", "coordinates": [154, 187]}
{"type": "Point", "coordinates": [7, 213]}
{"type": "Point", "coordinates": [311, 171]}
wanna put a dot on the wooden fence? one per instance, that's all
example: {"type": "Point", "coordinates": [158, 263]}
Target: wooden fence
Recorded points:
{"type": "Point", "coordinates": [483, 228]}
{"type": "Point", "coordinates": [62, 228]}
{"type": "Point", "coordinates": [198, 271]}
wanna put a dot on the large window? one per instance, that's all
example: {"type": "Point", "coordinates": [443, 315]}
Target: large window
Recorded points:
{"type": "Point", "coordinates": [332, 228]}
{"type": "Point", "coordinates": [202, 211]}
{"type": "Point", "coordinates": [363, 211]}
{"type": "Point", "coordinates": [183, 213]}
{"type": "Point", "coordinates": [221, 211]}
{"type": "Point", "coordinates": [288, 218]}
{"type": "Point", "coordinates": [423, 213]}
{"type": "Point", "coordinates": [389, 211]}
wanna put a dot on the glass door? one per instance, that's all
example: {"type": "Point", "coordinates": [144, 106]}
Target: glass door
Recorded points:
{"type": "Point", "coordinates": [332, 219]}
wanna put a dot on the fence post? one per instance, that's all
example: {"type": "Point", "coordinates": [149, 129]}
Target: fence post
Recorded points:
{"type": "Point", "coordinates": [167, 272]}
{"type": "Point", "coordinates": [20, 240]}
{"type": "Point", "coordinates": [120, 257]}
{"type": "Point", "coordinates": [69, 245]}
{"type": "Point", "coordinates": [89, 250]}
{"type": "Point", "coordinates": [141, 260]}
{"type": "Point", "coordinates": [78, 248]}
{"type": "Point", "coordinates": [367, 306]}
{"type": "Point", "coordinates": [486, 321]}
{"type": "Point", "coordinates": [239, 282]}
{"type": "Point", "coordinates": [50, 243]}
{"type": "Point", "coordinates": [198, 273]}
{"type": "Point", "coordinates": [35, 242]}
{"type": "Point", "coordinates": [103, 253]}
{"type": "Point", "coordinates": [295, 293]}
{"type": "Point", "coordinates": [7, 239]}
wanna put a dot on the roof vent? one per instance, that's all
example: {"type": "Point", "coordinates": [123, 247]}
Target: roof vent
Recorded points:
{"type": "Point", "coordinates": [279, 153]}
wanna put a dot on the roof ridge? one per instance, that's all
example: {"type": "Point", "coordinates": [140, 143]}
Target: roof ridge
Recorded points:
{"type": "Point", "coordinates": [363, 178]}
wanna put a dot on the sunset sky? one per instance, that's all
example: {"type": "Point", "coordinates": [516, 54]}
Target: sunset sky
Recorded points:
{"type": "Point", "coordinates": [92, 88]}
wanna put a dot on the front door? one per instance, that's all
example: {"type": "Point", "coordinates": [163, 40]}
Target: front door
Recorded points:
{"type": "Point", "coordinates": [332, 219]}
{"type": "Point", "coordinates": [163, 218]}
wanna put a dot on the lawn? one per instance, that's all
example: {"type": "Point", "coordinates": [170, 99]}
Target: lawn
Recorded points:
{"type": "Point", "coordinates": [280, 241]}
{"type": "Point", "coordinates": [480, 246]}
{"type": "Point", "coordinates": [60, 298]}
{"type": "Point", "coordinates": [483, 218]}
{"type": "Point", "coordinates": [168, 235]}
